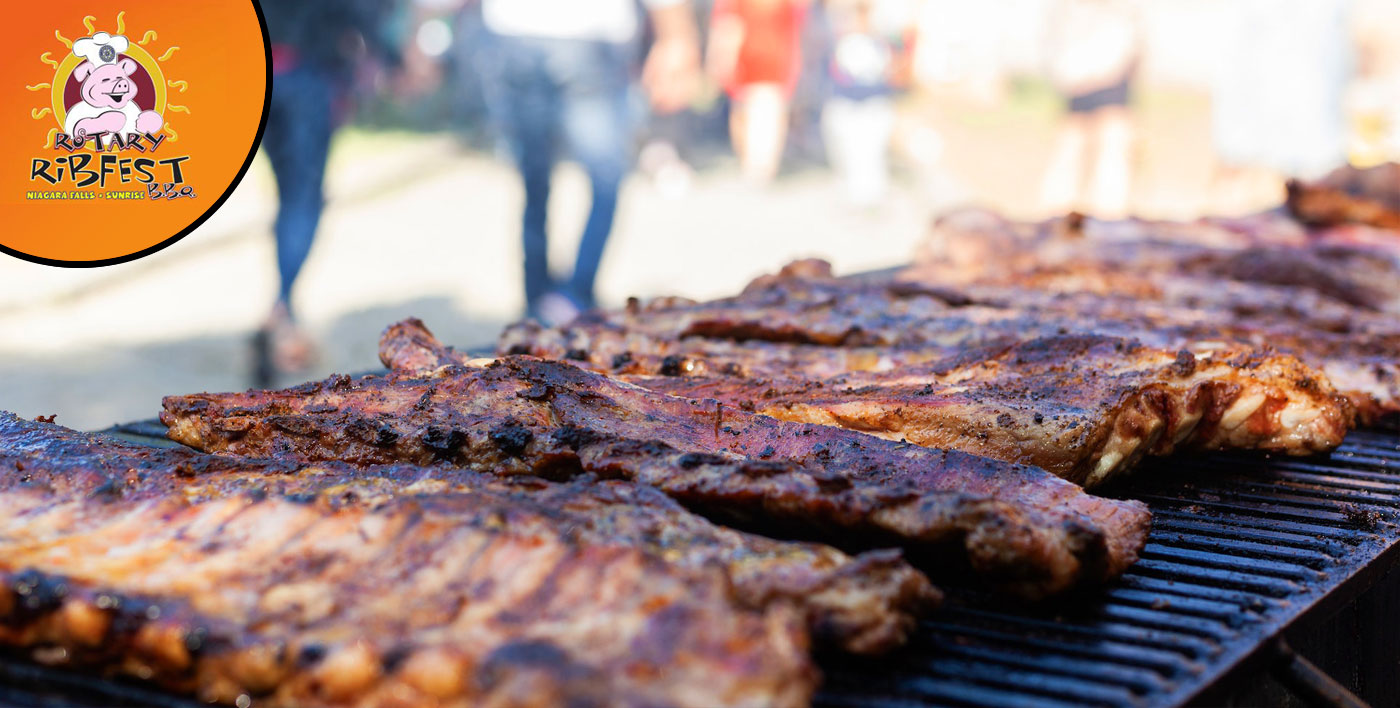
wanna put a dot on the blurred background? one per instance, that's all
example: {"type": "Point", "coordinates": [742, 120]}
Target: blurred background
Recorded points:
{"type": "Point", "coordinates": [680, 148]}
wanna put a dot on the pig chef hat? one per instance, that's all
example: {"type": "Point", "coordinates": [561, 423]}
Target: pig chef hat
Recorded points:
{"type": "Point", "coordinates": [101, 48]}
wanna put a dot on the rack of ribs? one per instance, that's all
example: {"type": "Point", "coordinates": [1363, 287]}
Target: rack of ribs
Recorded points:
{"type": "Point", "coordinates": [885, 325]}
{"type": "Point", "coordinates": [1212, 261]}
{"type": "Point", "coordinates": [1358, 352]}
{"type": "Point", "coordinates": [974, 247]}
{"type": "Point", "coordinates": [1085, 407]}
{"type": "Point", "coordinates": [1016, 527]}
{"type": "Point", "coordinates": [308, 586]}
{"type": "Point", "coordinates": [1328, 296]}
{"type": "Point", "coordinates": [861, 604]}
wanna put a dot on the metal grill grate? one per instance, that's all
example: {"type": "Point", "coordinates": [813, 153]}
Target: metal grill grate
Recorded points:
{"type": "Point", "coordinates": [1241, 547]}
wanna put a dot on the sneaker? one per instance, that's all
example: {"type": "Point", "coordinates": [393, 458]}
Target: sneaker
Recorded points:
{"type": "Point", "coordinates": [555, 309]}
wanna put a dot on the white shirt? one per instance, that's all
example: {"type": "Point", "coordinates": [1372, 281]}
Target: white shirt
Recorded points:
{"type": "Point", "coordinates": [599, 20]}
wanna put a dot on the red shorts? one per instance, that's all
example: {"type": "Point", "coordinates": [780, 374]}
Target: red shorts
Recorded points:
{"type": "Point", "coordinates": [771, 52]}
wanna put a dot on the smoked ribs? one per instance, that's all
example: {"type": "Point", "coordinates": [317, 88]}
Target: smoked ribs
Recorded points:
{"type": "Point", "coordinates": [1085, 407]}
{"type": "Point", "coordinates": [1015, 526]}
{"type": "Point", "coordinates": [327, 584]}
{"type": "Point", "coordinates": [1327, 296]}
{"type": "Point", "coordinates": [1083, 393]}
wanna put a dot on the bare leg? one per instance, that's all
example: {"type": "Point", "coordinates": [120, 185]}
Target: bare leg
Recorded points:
{"type": "Point", "coordinates": [1061, 188]}
{"type": "Point", "coordinates": [1111, 177]}
{"type": "Point", "coordinates": [857, 136]}
{"type": "Point", "coordinates": [764, 131]}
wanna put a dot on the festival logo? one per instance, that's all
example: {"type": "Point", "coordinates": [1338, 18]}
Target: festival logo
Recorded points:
{"type": "Point", "coordinates": [144, 128]}
{"type": "Point", "coordinates": [109, 96]}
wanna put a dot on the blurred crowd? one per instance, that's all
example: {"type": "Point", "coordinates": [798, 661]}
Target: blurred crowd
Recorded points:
{"type": "Point", "coordinates": [667, 86]}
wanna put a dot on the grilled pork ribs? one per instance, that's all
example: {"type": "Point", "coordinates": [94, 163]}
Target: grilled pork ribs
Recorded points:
{"type": "Point", "coordinates": [328, 584]}
{"type": "Point", "coordinates": [1017, 527]}
{"type": "Point", "coordinates": [1082, 396]}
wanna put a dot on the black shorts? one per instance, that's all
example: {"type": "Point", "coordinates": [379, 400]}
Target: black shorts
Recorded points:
{"type": "Point", "coordinates": [1115, 95]}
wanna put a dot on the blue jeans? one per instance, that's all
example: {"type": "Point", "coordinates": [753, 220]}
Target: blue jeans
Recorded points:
{"type": "Point", "coordinates": [544, 94]}
{"type": "Point", "coordinates": [297, 142]}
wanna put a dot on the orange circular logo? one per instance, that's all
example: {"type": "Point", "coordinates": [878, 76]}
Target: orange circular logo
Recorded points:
{"type": "Point", "coordinates": [124, 132]}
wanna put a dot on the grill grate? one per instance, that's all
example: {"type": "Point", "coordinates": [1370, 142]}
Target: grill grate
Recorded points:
{"type": "Point", "coordinates": [1241, 548]}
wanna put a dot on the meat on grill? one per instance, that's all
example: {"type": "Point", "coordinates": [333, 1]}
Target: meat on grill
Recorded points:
{"type": "Point", "coordinates": [862, 604]}
{"type": "Point", "coordinates": [1206, 261]}
{"type": "Point", "coordinates": [803, 323]}
{"type": "Point", "coordinates": [1328, 297]}
{"type": "Point", "coordinates": [1018, 527]}
{"type": "Point", "coordinates": [230, 578]}
{"type": "Point", "coordinates": [1349, 195]}
{"type": "Point", "coordinates": [1085, 407]}
{"type": "Point", "coordinates": [1360, 356]}
{"type": "Point", "coordinates": [1358, 352]}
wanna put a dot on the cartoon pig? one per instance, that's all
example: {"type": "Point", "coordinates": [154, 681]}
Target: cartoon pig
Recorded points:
{"type": "Point", "coordinates": [108, 93]}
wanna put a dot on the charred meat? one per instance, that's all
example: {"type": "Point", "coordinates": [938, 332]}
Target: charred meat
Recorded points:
{"type": "Point", "coordinates": [880, 326]}
{"type": "Point", "coordinates": [228, 578]}
{"type": "Point", "coordinates": [1085, 407]}
{"type": "Point", "coordinates": [1016, 526]}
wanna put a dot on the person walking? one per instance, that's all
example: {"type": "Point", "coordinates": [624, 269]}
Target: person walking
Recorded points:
{"type": "Point", "coordinates": [556, 76]}
{"type": "Point", "coordinates": [316, 47]}
{"type": "Point", "coordinates": [868, 63]}
{"type": "Point", "coordinates": [755, 52]}
{"type": "Point", "coordinates": [1093, 50]}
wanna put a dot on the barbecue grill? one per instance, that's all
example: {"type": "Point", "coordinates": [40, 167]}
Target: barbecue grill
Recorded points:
{"type": "Point", "coordinates": [1265, 581]}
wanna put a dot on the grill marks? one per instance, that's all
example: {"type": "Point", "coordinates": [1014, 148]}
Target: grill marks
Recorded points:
{"type": "Point", "coordinates": [328, 585]}
{"type": "Point", "coordinates": [1018, 527]}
